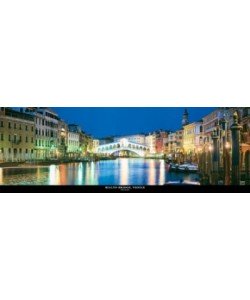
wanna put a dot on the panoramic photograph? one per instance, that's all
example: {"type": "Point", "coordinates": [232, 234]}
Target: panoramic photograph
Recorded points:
{"type": "Point", "coordinates": [124, 146]}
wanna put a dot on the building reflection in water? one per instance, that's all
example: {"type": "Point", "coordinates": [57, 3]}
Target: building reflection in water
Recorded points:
{"type": "Point", "coordinates": [162, 173]}
{"type": "Point", "coordinates": [91, 174]}
{"type": "Point", "coordinates": [1, 176]}
{"type": "Point", "coordinates": [63, 174]}
{"type": "Point", "coordinates": [54, 175]}
{"type": "Point", "coordinates": [38, 175]}
{"type": "Point", "coordinates": [152, 173]}
{"type": "Point", "coordinates": [80, 174]}
{"type": "Point", "coordinates": [124, 170]}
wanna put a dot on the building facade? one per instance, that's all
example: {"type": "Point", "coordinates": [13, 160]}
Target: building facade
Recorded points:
{"type": "Point", "coordinates": [150, 141]}
{"type": "Point", "coordinates": [73, 147]}
{"type": "Point", "coordinates": [161, 141]}
{"type": "Point", "coordinates": [17, 135]}
{"type": "Point", "coordinates": [136, 138]}
{"type": "Point", "coordinates": [174, 145]}
{"type": "Point", "coordinates": [73, 140]}
{"type": "Point", "coordinates": [210, 123]}
{"type": "Point", "coordinates": [62, 144]}
{"type": "Point", "coordinates": [192, 139]}
{"type": "Point", "coordinates": [46, 132]}
{"type": "Point", "coordinates": [95, 145]}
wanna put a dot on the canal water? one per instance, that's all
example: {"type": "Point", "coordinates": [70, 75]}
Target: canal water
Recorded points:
{"type": "Point", "coordinates": [122, 171]}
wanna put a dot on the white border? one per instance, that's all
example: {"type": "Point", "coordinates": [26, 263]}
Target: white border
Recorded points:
{"type": "Point", "coordinates": [132, 53]}
{"type": "Point", "coordinates": [138, 53]}
{"type": "Point", "coordinates": [110, 247]}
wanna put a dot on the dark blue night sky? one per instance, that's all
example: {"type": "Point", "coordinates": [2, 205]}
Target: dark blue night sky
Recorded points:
{"type": "Point", "coordinates": [106, 121]}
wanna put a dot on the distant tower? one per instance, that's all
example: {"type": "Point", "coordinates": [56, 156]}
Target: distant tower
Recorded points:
{"type": "Point", "coordinates": [185, 118]}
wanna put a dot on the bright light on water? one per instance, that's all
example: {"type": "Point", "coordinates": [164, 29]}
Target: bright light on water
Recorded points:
{"type": "Point", "coordinates": [122, 171]}
{"type": "Point", "coordinates": [162, 172]}
{"type": "Point", "coordinates": [80, 174]}
{"type": "Point", "coordinates": [91, 174]}
{"type": "Point", "coordinates": [54, 175]}
{"type": "Point", "coordinates": [152, 172]}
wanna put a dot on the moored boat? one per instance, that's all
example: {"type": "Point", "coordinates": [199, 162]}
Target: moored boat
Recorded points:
{"type": "Point", "coordinates": [183, 182]}
{"type": "Point", "coordinates": [186, 167]}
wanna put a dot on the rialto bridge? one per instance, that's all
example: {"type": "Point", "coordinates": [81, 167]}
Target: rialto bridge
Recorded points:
{"type": "Point", "coordinates": [123, 145]}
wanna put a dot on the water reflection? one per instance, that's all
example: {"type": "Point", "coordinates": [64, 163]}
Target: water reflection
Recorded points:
{"type": "Point", "coordinates": [122, 171]}
{"type": "Point", "coordinates": [54, 175]}
{"type": "Point", "coordinates": [91, 174]}
{"type": "Point", "coordinates": [80, 174]}
{"type": "Point", "coordinates": [63, 174]}
{"type": "Point", "coordinates": [162, 173]}
{"type": "Point", "coordinates": [152, 172]}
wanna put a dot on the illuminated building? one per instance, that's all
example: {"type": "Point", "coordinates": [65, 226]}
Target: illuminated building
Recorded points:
{"type": "Point", "coordinates": [150, 141]}
{"type": "Point", "coordinates": [160, 141]}
{"type": "Point", "coordinates": [192, 138]}
{"type": "Point", "coordinates": [86, 143]}
{"type": "Point", "coordinates": [174, 145]}
{"type": "Point", "coordinates": [210, 123]}
{"type": "Point", "coordinates": [73, 141]}
{"type": "Point", "coordinates": [62, 139]}
{"type": "Point", "coordinates": [17, 135]}
{"type": "Point", "coordinates": [136, 138]}
{"type": "Point", "coordinates": [95, 145]}
{"type": "Point", "coordinates": [46, 132]}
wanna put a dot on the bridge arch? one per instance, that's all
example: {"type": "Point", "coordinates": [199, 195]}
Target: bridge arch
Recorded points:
{"type": "Point", "coordinates": [109, 149]}
{"type": "Point", "coordinates": [139, 153]}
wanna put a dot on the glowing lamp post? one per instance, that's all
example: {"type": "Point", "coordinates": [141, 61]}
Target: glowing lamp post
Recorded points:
{"type": "Point", "coordinates": [216, 157]}
{"type": "Point", "coordinates": [226, 149]}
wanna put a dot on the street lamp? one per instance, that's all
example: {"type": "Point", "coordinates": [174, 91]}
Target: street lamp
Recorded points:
{"type": "Point", "coordinates": [205, 150]}
{"type": "Point", "coordinates": [216, 157]}
{"type": "Point", "coordinates": [226, 149]}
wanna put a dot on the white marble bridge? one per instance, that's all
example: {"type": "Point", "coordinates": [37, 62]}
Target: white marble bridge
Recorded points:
{"type": "Point", "coordinates": [123, 145]}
